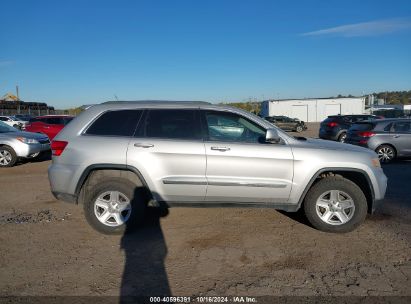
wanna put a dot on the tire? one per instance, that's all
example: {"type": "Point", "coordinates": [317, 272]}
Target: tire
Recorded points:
{"type": "Point", "coordinates": [8, 157]}
{"type": "Point", "coordinates": [334, 221]}
{"type": "Point", "coordinates": [130, 195]}
{"type": "Point", "coordinates": [386, 153]}
{"type": "Point", "coordinates": [299, 129]}
{"type": "Point", "coordinates": [342, 137]}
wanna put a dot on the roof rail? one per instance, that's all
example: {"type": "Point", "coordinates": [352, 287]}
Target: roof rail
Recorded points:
{"type": "Point", "coordinates": [156, 101]}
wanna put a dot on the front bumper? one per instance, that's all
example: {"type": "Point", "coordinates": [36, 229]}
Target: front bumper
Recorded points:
{"type": "Point", "coordinates": [25, 150]}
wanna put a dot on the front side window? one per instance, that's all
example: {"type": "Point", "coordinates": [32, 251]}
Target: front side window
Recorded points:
{"type": "Point", "coordinates": [224, 126]}
{"type": "Point", "coordinates": [172, 124]}
{"type": "Point", "coordinates": [116, 123]}
{"type": "Point", "coordinates": [402, 126]}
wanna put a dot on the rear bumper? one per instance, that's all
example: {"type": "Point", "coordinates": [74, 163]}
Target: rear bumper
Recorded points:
{"type": "Point", "coordinates": [65, 197]}
{"type": "Point", "coordinates": [327, 135]}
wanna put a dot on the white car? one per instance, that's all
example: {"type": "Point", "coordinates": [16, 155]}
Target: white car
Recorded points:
{"type": "Point", "coordinates": [13, 122]}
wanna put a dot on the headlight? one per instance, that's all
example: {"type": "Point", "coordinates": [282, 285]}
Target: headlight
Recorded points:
{"type": "Point", "coordinates": [27, 140]}
{"type": "Point", "coordinates": [376, 162]}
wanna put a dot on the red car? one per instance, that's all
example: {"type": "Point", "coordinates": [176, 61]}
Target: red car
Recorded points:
{"type": "Point", "coordinates": [49, 124]}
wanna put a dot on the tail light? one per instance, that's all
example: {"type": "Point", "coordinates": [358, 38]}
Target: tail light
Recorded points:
{"type": "Point", "coordinates": [366, 134]}
{"type": "Point", "coordinates": [58, 146]}
{"type": "Point", "coordinates": [332, 124]}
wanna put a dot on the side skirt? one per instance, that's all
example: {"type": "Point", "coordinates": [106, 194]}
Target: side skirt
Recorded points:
{"type": "Point", "coordinates": [284, 207]}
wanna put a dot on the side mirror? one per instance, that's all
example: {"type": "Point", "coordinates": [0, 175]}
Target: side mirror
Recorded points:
{"type": "Point", "coordinates": [272, 136]}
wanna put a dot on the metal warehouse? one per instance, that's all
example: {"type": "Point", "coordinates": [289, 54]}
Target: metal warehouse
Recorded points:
{"type": "Point", "coordinates": [313, 110]}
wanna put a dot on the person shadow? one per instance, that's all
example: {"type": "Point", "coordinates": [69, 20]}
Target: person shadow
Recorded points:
{"type": "Point", "coordinates": [145, 250]}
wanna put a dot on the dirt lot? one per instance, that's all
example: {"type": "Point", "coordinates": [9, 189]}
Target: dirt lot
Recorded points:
{"type": "Point", "coordinates": [47, 248]}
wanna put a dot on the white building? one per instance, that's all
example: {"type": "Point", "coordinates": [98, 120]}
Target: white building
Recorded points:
{"type": "Point", "coordinates": [313, 110]}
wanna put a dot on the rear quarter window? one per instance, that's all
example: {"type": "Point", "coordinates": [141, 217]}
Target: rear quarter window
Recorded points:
{"type": "Point", "coordinates": [115, 123]}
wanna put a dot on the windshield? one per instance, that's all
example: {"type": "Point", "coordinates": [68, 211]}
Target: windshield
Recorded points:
{"type": "Point", "coordinates": [5, 128]}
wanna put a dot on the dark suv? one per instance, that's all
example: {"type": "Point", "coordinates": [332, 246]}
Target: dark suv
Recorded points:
{"type": "Point", "coordinates": [390, 138]}
{"type": "Point", "coordinates": [335, 127]}
{"type": "Point", "coordinates": [287, 123]}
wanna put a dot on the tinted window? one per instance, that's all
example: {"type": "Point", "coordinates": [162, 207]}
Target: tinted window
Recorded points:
{"type": "Point", "coordinates": [402, 126]}
{"type": "Point", "coordinates": [3, 118]}
{"type": "Point", "coordinates": [66, 120]}
{"type": "Point", "coordinates": [53, 120]}
{"type": "Point", "coordinates": [175, 124]}
{"type": "Point", "coordinates": [116, 123]}
{"type": "Point", "coordinates": [222, 126]}
{"type": "Point", "coordinates": [362, 127]}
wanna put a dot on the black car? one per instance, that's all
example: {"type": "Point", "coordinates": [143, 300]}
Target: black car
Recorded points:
{"type": "Point", "coordinates": [287, 123]}
{"type": "Point", "coordinates": [335, 127]}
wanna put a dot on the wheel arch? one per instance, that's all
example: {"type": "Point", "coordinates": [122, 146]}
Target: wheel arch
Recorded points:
{"type": "Point", "coordinates": [358, 176]}
{"type": "Point", "coordinates": [96, 172]}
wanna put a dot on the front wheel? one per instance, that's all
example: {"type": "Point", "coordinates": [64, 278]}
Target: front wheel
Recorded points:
{"type": "Point", "coordinates": [335, 204]}
{"type": "Point", "coordinates": [299, 129]}
{"type": "Point", "coordinates": [115, 206]}
{"type": "Point", "coordinates": [7, 157]}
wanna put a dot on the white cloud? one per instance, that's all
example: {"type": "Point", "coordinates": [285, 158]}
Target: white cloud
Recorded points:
{"type": "Point", "coordinates": [372, 28]}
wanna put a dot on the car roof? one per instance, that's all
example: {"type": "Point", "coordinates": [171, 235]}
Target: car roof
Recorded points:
{"type": "Point", "coordinates": [156, 102]}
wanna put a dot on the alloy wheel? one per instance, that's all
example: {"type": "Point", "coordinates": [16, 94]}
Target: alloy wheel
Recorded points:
{"type": "Point", "coordinates": [335, 207]}
{"type": "Point", "coordinates": [112, 208]}
{"type": "Point", "coordinates": [385, 154]}
{"type": "Point", "coordinates": [5, 157]}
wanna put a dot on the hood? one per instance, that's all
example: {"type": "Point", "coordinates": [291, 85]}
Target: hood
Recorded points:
{"type": "Point", "coordinates": [30, 135]}
{"type": "Point", "coordinates": [332, 145]}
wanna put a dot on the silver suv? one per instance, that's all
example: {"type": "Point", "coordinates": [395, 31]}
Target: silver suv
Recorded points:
{"type": "Point", "coordinates": [117, 157]}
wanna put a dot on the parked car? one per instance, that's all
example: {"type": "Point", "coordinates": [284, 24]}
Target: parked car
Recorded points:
{"type": "Point", "coordinates": [335, 127]}
{"type": "Point", "coordinates": [115, 157]}
{"type": "Point", "coordinates": [13, 122]}
{"type": "Point", "coordinates": [15, 144]}
{"type": "Point", "coordinates": [390, 138]}
{"type": "Point", "coordinates": [287, 123]}
{"type": "Point", "coordinates": [24, 117]}
{"type": "Point", "coordinates": [49, 125]}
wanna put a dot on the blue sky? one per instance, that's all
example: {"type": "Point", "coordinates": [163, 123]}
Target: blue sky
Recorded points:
{"type": "Point", "coordinates": [69, 53]}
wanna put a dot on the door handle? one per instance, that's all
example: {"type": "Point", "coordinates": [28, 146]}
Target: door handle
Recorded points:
{"type": "Point", "coordinates": [143, 145]}
{"type": "Point", "coordinates": [222, 149]}
{"type": "Point", "coordinates": [396, 136]}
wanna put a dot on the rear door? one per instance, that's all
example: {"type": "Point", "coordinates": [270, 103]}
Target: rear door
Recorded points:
{"type": "Point", "coordinates": [401, 137]}
{"type": "Point", "coordinates": [241, 166]}
{"type": "Point", "coordinates": [168, 149]}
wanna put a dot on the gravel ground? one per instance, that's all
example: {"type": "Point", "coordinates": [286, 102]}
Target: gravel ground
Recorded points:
{"type": "Point", "coordinates": [47, 248]}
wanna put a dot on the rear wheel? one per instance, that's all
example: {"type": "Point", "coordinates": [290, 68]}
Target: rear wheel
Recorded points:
{"type": "Point", "coordinates": [342, 137]}
{"type": "Point", "coordinates": [385, 153]}
{"type": "Point", "coordinates": [335, 204]}
{"type": "Point", "coordinates": [115, 206]}
{"type": "Point", "coordinates": [7, 157]}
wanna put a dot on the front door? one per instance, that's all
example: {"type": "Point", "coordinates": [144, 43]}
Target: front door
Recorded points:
{"type": "Point", "coordinates": [241, 166]}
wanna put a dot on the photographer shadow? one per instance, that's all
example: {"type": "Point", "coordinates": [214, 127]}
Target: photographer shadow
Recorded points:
{"type": "Point", "coordinates": [145, 251]}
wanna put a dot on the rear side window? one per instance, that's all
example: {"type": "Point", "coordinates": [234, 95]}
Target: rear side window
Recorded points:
{"type": "Point", "coordinates": [66, 120]}
{"type": "Point", "coordinates": [116, 123]}
{"type": "Point", "coordinates": [53, 120]}
{"type": "Point", "coordinates": [173, 124]}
